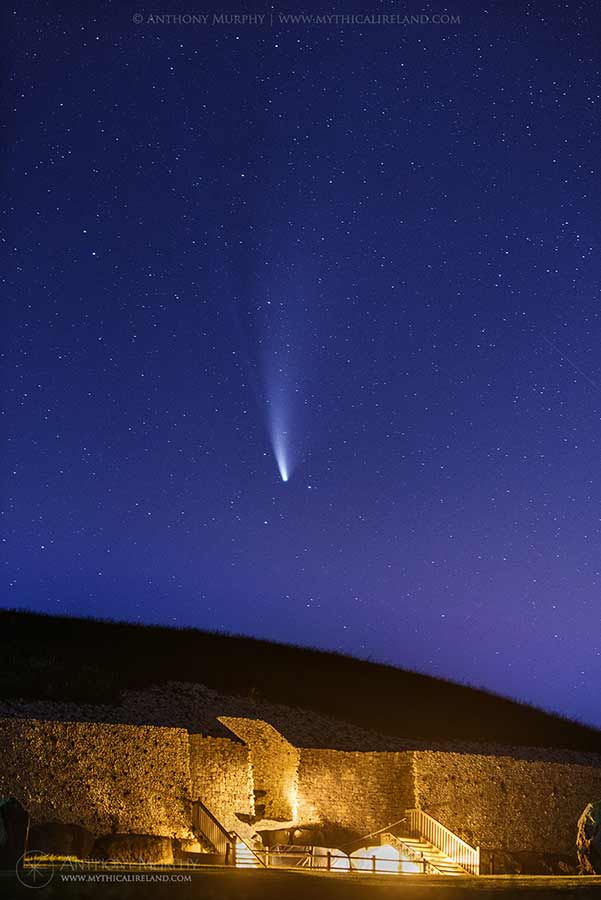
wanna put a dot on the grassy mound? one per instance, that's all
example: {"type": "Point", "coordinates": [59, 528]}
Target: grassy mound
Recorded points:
{"type": "Point", "coordinates": [89, 660]}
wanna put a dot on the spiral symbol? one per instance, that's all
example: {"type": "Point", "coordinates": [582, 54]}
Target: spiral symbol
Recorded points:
{"type": "Point", "coordinates": [138, 18]}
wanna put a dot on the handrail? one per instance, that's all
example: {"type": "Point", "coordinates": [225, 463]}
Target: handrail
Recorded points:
{"type": "Point", "coordinates": [414, 855]}
{"type": "Point", "coordinates": [440, 836]}
{"type": "Point", "coordinates": [300, 853]}
{"type": "Point", "coordinates": [456, 837]}
{"type": "Point", "coordinates": [275, 858]}
{"type": "Point", "coordinates": [237, 837]}
{"type": "Point", "coordinates": [210, 826]}
{"type": "Point", "coordinates": [373, 833]}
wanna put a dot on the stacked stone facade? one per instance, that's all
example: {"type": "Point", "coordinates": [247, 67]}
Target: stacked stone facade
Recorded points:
{"type": "Point", "coordinates": [504, 802]}
{"type": "Point", "coordinates": [142, 780]}
{"type": "Point", "coordinates": [106, 778]}
{"type": "Point", "coordinates": [222, 778]}
{"type": "Point", "coordinates": [274, 764]}
{"type": "Point", "coordinates": [360, 792]}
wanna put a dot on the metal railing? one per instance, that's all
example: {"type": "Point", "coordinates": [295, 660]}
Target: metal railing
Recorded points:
{"type": "Point", "coordinates": [419, 823]}
{"type": "Point", "coordinates": [412, 854]}
{"type": "Point", "coordinates": [204, 821]}
{"type": "Point", "coordinates": [329, 861]}
{"type": "Point", "coordinates": [395, 831]}
{"type": "Point", "coordinates": [259, 855]}
{"type": "Point", "coordinates": [287, 856]}
{"type": "Point", "coordinates": [424, 825]}
{"type": "Point", "coordinates": [359, 842]}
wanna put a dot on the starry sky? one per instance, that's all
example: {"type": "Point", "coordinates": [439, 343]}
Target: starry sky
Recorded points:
{"type": "Point", "coordinates": [366, 252]}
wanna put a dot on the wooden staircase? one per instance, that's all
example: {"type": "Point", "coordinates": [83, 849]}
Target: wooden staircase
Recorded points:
{"type": "Point", "coordinates": [427, 858]}
{"type": "Point", "coordinates": [424, 837]}
{"type": "Point", "coordinates": [229, 846]}
{"type": "Point", "coordinates": [424, 846]}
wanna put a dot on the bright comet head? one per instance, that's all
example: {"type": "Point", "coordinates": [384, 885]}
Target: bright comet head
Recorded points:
{"type": "Point", "coordinates": [279, 450]}
{"type": "Point", "coordinates": [280, 389]}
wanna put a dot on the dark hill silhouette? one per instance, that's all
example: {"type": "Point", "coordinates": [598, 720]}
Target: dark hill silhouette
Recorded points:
{"type": "Point", "coordinates": [45, 657]}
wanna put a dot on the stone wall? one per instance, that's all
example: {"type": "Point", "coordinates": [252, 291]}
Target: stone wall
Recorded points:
{"type": "Point", "coordinates": [504, 802]}
{"type": "Point", "coordinates": [113, 778]}
{"type": "Point", "coordinates": [222, 778]}
{"type": "Point", "coordinates": [106, 778]}
{"type": "Point", "coordinates": [274, 764]}
{"type": "Point", "coordinates": [359, 791]}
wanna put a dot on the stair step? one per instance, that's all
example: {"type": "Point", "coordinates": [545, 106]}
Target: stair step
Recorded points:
{"type": "Point", "coordinates": [245, 858]}
{"type": "Point", "coordinates": [433, 855]}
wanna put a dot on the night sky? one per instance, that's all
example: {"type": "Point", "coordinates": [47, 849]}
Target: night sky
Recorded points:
{"type": "Point", "coordinates": [360, 256]}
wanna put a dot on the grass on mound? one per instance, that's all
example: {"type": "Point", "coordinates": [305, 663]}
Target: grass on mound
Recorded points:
{"type": "Point", "coordinates": [90, 660]}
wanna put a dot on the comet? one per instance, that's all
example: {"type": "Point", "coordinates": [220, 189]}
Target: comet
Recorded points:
{"type": "Point", "coordinates": [278, 415]}
{"type": "Point", "coordinates": [280, 458]}
{"type": "Point", "coordinates": [280, 318]}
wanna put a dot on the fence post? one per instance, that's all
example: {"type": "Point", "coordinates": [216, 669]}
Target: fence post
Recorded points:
{"type": "Point", "coordinates": [228, 850]}
{"type": "Point", "coordinates": [373, 864]}
{"type": "Point", "coordinates": [329, 860]}
{"type": "Point", "coordinates": [424, 864]}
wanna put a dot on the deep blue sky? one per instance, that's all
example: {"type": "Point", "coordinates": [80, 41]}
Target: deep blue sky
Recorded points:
{"type": "Point", "coordinates": [382, 239]}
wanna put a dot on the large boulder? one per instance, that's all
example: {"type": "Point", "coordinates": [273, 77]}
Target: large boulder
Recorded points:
{"type": "Point", "coordinates": [588, 840]}
{"type": "Point", "coordinates": [143, 848]}
{"type": "Point", "coordinates": [58, 839]}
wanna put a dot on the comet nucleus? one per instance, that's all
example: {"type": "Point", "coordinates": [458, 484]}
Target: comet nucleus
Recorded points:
{"type": "Point", "coordinates": [278, 414]}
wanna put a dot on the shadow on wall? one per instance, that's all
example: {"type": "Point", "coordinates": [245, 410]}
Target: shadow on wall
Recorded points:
{"type": "Point", "coordinates": [14, 821]}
